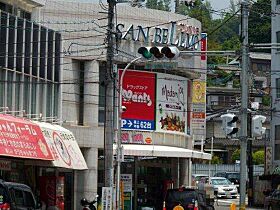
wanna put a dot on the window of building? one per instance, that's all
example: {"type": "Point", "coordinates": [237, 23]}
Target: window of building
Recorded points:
{"type": "Point", "coordinates": [278, 88]}
{"type": "Point", "coordinates": [2, 88]}
{"type": "Point", "coordinates": [278, 38]}
{"type": "Point", "coordinates": [258, 84]}
{"type": "Point", "coordinates": [81, 93]}
{"type": "Point", "coordinates": [226, 100]}
{"type": "Point", "coordinates": [277, 146]}
{"type": "Point", "coordinates": [10, 90]}
{"type": "Point", "coordinates": [101, 103]}
{"type": "Point", "coordinates": [277, 2]}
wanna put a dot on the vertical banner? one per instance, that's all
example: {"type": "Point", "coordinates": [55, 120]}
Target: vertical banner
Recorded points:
{"type": "Point", "coordinates": [189, 107]}
{"type": "Point", "coordinates": [171, 106]}
{"type": "Point", "coordinates": [203, 43]}
{"type": "Point", "coordinates": [139, 99]}
{"type": "Point", "coordinates": [126, 180]}
{"type": "Point", "coordinates": [107, 198]}
{"type": "Point", "coordinates": [199, 111]}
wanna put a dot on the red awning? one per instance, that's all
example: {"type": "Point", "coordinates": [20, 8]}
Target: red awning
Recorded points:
{"type": "Point", "coordinates": [22, 138]}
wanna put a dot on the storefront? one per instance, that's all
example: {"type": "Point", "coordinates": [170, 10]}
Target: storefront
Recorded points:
{"type": "Point", "coordinates": [41, 155]}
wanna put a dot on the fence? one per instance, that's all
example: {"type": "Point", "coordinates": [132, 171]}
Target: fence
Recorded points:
{"type": "Point", "coordinates": [204, 168]}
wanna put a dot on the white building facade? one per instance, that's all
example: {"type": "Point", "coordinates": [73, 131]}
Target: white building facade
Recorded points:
{"type": "Point", "coordinates": [275, 85]}
{"type": "Point", "coordinates": [157, 133]}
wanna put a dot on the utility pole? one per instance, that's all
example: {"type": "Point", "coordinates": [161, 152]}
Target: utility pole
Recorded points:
{"type": "Point", "coordinates": [109, 100]}
{"type": "Point", "coordinates": [244, 103]}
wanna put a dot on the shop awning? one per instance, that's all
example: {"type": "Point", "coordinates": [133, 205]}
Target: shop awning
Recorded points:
{"type": "Point", "coordinates": [162, 151]}
{"type": "Point", "coordinates": [63, 146]}
{"type": "Point", "coordinates": [22, 138]}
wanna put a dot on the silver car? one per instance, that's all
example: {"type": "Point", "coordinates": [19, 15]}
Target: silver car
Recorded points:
{"type": "Point", "coordinates": [223, 187]}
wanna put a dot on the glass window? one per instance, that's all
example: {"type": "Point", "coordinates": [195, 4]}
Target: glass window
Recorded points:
{"type": "Point", "coordinates": [26, 94]}
{"type": "Point", "coordinates": [258, 84]}
{"type": "Point", "coordinates": [29, 199]}
{"type": "Point", "coordinates": [277, 132]}
{"type": "Point", "coordinates": [19, 199]}
{"type": "Point", "coordinates": [34, 86]}
{"type": "Point", "coordinates": [11, 41]}
{"type": "Point", "coordinates": [277, 2]}
{"type": "Point", "coordinates": [278, 88]}
{"type": "Point", "coordinates": [276, 152]}
{"type": "Point", "coordinates": [19, 46]}
{"type": "Point", "coordinates": [27, 53]}
{"type": "Point", "coordinates": [49, 100]}
{"type": "Point", "coordinates": [278, 39]}
{"type": "Point", "coordinates": [3, 29]}
{"type": "Point", "coordinates": [101, 103]}
{"type": "Point", "coordinates": [55, 102]}
{"type": "Point", "coordinates": [17, 92]}
{"type": "Point", "coordinates": [10, 90]}
{"type": "Point", "coordinates": [2, 87]}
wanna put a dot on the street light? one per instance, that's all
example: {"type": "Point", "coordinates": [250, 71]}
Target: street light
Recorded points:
{"type": "Point", "coordinates": [119, 143]}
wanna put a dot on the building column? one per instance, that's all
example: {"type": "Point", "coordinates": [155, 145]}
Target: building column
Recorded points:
{"type": "Point", "coordinates": [86, 181]}
{"type": "Point", "coordinates": [185, 172]}
{"type": "Point", "coordinates": [175, 171]}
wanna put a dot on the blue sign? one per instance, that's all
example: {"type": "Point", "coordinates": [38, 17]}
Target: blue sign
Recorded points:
{"type": "Point", "coordinates": [148, 125]}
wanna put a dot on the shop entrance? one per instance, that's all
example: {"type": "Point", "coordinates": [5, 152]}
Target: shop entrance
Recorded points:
{"type": "Point", "coordinates": [151, 178]}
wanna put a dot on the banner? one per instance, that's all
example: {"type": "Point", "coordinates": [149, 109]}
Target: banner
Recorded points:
{"type": "Point", "coordinates": [171, 110]}
{"type": "Point", "coordinates": [139, 99]}
{"type": "Point", "coordinates": [22, 138]}
{"type": "Point", "coordinates": [64, 147]}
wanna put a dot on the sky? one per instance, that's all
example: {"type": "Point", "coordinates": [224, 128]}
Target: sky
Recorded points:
{"type": "Point", "coordinates": [219, 4]}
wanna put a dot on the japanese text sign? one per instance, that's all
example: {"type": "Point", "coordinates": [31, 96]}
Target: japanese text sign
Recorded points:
{"type": "Point", "coordinates": [22, 138]}
{"type": "Point", "coordinates": [138, 97]}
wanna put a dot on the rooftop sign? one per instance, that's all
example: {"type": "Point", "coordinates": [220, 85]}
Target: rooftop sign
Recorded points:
{"type": "Point", "coordinates": [176, 34]}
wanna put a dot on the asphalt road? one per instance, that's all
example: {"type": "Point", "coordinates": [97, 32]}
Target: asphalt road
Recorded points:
{"type": "Point", "coordinates": [224, 204]}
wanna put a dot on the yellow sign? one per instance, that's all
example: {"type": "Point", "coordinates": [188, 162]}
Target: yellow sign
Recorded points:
{"type": "Point", "coordinates": [199, 92]}
{"type": "Point", "coordinates": [178, 208]}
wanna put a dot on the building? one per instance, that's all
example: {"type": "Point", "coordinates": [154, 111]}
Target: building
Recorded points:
{"type": "Point", "coordinates": [30, 70]}
{"type": "Point", "coordinates": [158, 144]}
{"type": "Point", "coordinates": [275, 88]}
{"type": "Point", "coordinates": [223, 95]}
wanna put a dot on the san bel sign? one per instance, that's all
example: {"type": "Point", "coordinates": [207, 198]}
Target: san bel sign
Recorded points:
{"type": "Point", "coordinates": [177, 34]}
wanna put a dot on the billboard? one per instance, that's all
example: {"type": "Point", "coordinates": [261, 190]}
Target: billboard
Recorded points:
{"type": "Point", "coordinates": [171, 109]}
{"type": "Point", "coordinates": [23, 139]}
{"type": "Point", "coordinates": [139, 99]}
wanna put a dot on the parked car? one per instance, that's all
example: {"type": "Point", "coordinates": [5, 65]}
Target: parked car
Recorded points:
{"type": "Point", "coordinates": [272, 202]}
{"type": "Point", "coordinates": [222, 187]}
{"type": "Point", "coordinates": [197, 177]}
{"type": "Point", "coordinates": [234, 177]}
{"type": "Point", "coordinates": [186, 198]}
{"type": "Point", "coordinates": [17, 196]}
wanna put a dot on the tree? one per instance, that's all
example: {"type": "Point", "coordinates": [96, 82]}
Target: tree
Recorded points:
{"type": "Point", "coordinates": [260, 22]}
{"type": "Point", "coordinates": [202, 12]}
{"type": "Point", "coordinates": [258, 157]}
{"type": "Point", "coordinates": [216, 160]}
{"type": "Point", "coordinates": [159, 4]}
{"type": "Point", "coordinates": [235, 155]}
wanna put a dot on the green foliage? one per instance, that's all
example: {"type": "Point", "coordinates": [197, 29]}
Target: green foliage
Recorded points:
{"type": "Point", "coordinates": [159, 4]}
{"type": "Point", "coordinates": [260, 22]}
{"type": "Point", "coordinates": [235, 155]}
{"type": "Point", "coordinates": [236, 83]}
{"type": "Point", "coordinates": [266, 100]}
{"type": "Point", "coordinates": [201, 12]}
{"type": "Point", "coordinates": [216, 160]}
{"type": "Point", "coordinates": [258, 157]}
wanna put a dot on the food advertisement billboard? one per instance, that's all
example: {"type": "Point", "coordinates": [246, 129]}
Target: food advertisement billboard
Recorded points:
{"type": "Point", "coordinates": [171, 109]}
{"type": "Point", "coordinates": [139, 99]}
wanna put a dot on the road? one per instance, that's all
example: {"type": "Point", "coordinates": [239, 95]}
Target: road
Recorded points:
{"type": "Point", "coordinates": [224, 204]}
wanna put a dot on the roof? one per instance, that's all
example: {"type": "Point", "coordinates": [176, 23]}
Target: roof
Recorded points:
{"type": "Point", "coordinates": [260, 56]}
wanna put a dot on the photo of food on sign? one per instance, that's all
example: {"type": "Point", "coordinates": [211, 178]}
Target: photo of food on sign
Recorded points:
{"type": "Point", "coordinates": [171, 114]}
{"type": "Point", "coordinates": [172, 123]}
